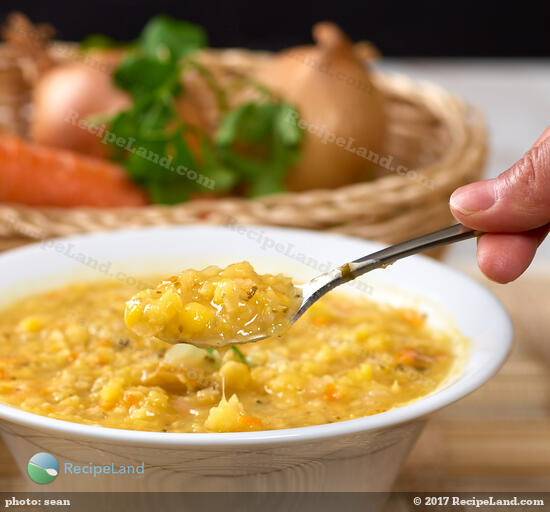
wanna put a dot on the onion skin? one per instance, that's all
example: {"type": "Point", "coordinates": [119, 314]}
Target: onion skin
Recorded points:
{"type": "Point", "coordinates": [334, 94]}
{"type": "Point", "coordinates": [71, 91]}
{"type": "Point", "coordinates": [195, 107]}
{"type": "Point", "coordinates": [84, 88]}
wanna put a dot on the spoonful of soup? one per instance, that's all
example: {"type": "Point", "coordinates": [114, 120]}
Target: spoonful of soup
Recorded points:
{"type": "Point", "coordinates": [216, 307]}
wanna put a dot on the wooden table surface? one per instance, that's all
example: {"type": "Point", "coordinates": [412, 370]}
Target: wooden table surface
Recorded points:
{"type": "Point", "coordinates": [498, 438]}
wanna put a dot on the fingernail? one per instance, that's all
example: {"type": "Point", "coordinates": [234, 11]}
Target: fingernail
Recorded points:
{"type": "Point", "coordinates": [474, 197]}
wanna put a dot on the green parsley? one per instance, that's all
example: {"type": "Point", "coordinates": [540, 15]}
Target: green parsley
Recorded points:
{"type": "Point", "coordinates": [242, 357]}
{"type": "Point", "coordinates": [252, 149]}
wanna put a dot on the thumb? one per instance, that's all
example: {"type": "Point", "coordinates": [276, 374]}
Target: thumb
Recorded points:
{"type": "Point", "coordinates": [517, 200]}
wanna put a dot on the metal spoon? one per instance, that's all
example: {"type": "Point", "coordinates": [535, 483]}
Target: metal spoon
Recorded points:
{"type": "Point", "coordinates": [313, 290]}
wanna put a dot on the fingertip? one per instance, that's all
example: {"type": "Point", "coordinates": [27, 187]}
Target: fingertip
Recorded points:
{"type": "Point", "coordinates": [473, 197]}
{"type": "Point", "coordinates": [492, 271]}
{"type": "Point", "coordinates": [504, 257]}
{"type": "Point", "coordinates": [545, 135]}
{"type": "Point", "coordinates": [472, 204]}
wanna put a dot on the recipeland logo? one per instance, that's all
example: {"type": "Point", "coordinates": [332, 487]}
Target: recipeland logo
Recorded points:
{"type": "Point", "coordinates": [43, 468]}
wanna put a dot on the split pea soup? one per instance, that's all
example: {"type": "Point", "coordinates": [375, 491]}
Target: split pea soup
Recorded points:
{"type": "Point", "coordinates": [67, 354]}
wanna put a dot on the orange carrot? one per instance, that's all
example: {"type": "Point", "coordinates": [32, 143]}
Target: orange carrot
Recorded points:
{"type": "Point", "coordinates": [331, 393]}
{"type": "Point", "coordinates": [412, 357]}
{"type": "Point", "coordinates": [413, 317]}
{"type": "Point", "coordinates": [320, 320]}
{"type": "Point", "coordinates": [42, 176]}
{"type": "Point", "coordinates": [130, 398]}
{"type": "Point", "coordinates": [251, 422]}
{"type": "Point", "coordinates": [407, 356]}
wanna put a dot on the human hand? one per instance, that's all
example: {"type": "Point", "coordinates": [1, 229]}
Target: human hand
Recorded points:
{"type": "Point", "coordinates": [514, 211]}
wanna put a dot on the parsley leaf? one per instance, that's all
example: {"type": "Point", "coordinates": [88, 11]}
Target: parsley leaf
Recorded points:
{"type": "Point", "coordinates": [99, 41]}
{"type": "Point", "coordinates": [254, 145]}
{"type": "Point", "coordinates": [147, 76]}
{"type": "Point", "coordinates": [270, 134]}
{"type": "Point", "coordinates": [241, 356]}
{"type": "Point", "coordinates": [165, 38]}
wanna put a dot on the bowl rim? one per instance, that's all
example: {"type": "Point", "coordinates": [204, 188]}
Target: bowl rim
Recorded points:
{"type": "Point", "coordinates": [459, 388]}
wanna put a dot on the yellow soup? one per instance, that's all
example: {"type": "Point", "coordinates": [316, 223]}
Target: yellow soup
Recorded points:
{"type": "Point", "coordinates": [213, 306]}
{"type": "Point", "coordinates": [67, 354]}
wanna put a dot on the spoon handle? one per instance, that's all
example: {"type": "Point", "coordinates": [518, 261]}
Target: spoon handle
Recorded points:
{"type": "Point", "coordinates": [317, 287]}
{"type": "Point", "coordinates": [386, 256]}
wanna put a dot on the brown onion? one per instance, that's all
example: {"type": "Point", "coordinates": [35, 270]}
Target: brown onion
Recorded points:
{"type": "Point", "coordinates": [70, 93]}
{"type": "Point", "coordinates": [339, 108]}
{"type": "Point", "coordinates": [82, 88]}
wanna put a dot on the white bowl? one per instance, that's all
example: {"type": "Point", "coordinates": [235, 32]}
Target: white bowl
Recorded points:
{"type": "Point", "coordinates": [356, 455]}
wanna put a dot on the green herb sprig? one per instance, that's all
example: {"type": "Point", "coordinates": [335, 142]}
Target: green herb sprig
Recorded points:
{"type": "Point", "coordinates": [235, 349]}
{"type": "Point", "coordinates": [252, 149]}
{"type": "Point", "coordinates": [240, 355]}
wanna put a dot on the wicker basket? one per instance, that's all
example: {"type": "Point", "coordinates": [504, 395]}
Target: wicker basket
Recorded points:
{"type": "Point", "coordinates": [440, 141]}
